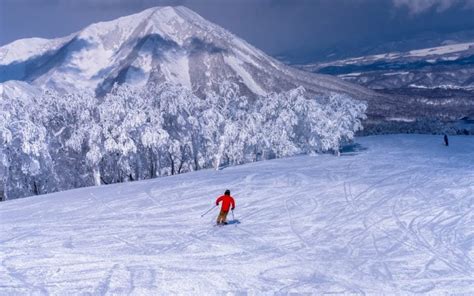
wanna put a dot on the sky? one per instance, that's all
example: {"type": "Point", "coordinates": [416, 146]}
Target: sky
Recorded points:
{"type": "Point", "coordinates": [299, 30]}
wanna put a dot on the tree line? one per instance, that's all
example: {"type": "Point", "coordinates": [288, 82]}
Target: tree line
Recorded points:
{"type": "Point", "coordinates": [57, 141]}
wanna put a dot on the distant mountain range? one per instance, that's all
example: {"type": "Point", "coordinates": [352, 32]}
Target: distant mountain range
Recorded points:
{"type": "Point", "coordinates": [442, 77]}
{"type": "Point", "coordinates": [343, 52]}
{"type": "Point", "coordinates": [449, 66]}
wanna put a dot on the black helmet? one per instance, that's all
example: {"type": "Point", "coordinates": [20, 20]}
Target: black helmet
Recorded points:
{"type": "Point", "coordinates": [227, 192]}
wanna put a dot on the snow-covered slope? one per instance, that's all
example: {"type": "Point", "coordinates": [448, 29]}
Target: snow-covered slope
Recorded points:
{"type": "Point", "coordinates": [394, 216]}
{"type": "Point", "coordinates": [160, 44]}
{"type": "Point", "coordinates": [17, 90]}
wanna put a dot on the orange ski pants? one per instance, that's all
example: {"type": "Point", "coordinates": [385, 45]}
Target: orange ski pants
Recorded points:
{"type": "Point", "coordinates": [222, 217]}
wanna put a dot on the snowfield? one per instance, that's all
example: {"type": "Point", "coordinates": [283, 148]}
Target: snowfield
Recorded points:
{"type": "Point", "coordinates": [393, 216]}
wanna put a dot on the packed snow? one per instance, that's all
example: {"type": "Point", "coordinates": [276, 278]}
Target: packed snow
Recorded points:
{"type": "Point", "coordinates": [392, 215]}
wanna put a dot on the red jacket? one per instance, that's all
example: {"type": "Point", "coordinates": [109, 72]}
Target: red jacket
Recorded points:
{"type": "Point", "coordinates": [227, 200]}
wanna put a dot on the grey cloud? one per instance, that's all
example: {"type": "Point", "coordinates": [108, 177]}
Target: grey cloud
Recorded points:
{"type": "Point", "coordinates": [420, 6]}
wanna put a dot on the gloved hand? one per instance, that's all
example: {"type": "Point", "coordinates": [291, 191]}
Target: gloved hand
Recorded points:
{"type": "Point", "coordinates": [232, 209]}
{"type": "Point", "coordinates": [217, 204]}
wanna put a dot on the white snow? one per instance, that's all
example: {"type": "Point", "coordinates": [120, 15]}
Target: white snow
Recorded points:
{"type": "Point", "coordinates": [165, 22]}
{"type": "Point", "coordinates": [447, 52]}
{"type": "Point", "coordinates": [395, 218]}
{"type": "Point", "coordinates": [17, 90]}
{"type": "Point", "coordinates": [441, 50]}
{"type": "Point", "coordinates": [401, 119]}
{"type": "Point", "coordinates": [24, 49]}
{"type": "Point", "coordinates": [176, 69]}
{"type": "Point", "coordinates": [246, 77]}
{"type": "Point", "coordinates": [450, 58]}
{"type": "Point", "coordinates": [443, 86]}
{"type": "Point", "coordinates": [90, 61]}
{"type": "Point", "coordinates": [388, 56]}
{"type": "Point", "coordinates": [396, 73]}
{"type": "Point", "coordinates": [350, 74]}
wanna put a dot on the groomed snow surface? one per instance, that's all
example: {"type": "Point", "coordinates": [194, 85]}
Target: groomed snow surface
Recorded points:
{"type": "Point", "coordinates": [394, 216]}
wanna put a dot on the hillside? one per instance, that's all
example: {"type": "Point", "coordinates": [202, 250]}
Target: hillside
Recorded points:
{"type": "Point", "coordinates": [392, 215]}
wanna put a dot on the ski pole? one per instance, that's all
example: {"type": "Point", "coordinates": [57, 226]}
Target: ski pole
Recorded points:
{"type": "Point", "coordinates": [233, 218]}
{"type": "Point", "coordinates": [208, 211]}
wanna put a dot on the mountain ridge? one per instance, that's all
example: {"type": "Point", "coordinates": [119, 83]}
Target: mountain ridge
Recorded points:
{"type": "Point", "coordinates": [158, 44]}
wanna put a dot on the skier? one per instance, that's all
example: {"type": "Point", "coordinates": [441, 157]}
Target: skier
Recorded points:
{"type": "Point", "coordinates": [446, 142]}
{"type": "Point", "coordinates": [227, 202]}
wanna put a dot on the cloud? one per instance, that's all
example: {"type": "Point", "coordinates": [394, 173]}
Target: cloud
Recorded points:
{"type": "Point", "coordinates": [98, 3]}
{"type": "Point", "coordinates": [420, 6]}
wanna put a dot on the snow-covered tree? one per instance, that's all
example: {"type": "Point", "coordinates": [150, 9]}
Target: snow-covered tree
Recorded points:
{"type": "Point", "coordinates": [87, 134]}
{"type": "Point", "coordinates": [178, 109]}
{"type": "Point", "coordinates": [133, 133]}
{"type": "Point", "coordinates": [227, 112]}
{"type": "Point", "coordinates": [24, 151]}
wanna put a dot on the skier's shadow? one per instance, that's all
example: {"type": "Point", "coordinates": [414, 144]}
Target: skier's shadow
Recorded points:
{"type": "Point", "coordinates": [235, 221]}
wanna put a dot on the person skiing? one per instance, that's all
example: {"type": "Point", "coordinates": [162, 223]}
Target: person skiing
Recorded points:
{"type": "Point", "coordinates": [446, 142]}
{"type": "Point", "coordinates": [227, 202]}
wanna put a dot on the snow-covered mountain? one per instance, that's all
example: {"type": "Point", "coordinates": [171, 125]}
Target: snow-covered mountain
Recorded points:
{"type": "Point", "coordinates": [160, 44]}
{"type": "Point", "coordinates": [394, 218]}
